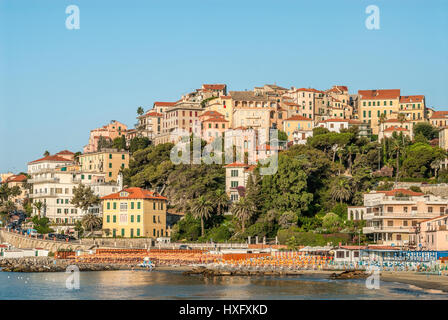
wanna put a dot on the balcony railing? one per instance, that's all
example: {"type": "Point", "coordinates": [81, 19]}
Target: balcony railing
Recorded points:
{"type": "Point", "coordinates": [42, 180]}
{"type": "Point", "coordinates": [43, 195]}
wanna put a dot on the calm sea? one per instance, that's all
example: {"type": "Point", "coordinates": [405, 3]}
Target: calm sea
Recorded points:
{"type": "Point", "coordinates": [173, 285]}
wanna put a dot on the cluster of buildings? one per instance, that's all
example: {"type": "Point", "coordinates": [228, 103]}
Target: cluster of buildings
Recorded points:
{"type": "Point", "coordinates": [211, 112]}
{"type": "Point", "coordinates": [404, 218]}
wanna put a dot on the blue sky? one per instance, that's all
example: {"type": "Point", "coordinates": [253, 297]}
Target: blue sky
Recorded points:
{"type": "Point", "coordinates": [57, 84]}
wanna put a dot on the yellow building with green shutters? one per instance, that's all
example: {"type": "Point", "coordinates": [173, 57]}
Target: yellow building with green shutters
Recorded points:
{"type": "Point", "coordinates": [134, 212]}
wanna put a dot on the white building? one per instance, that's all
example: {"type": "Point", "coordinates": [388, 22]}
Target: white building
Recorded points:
{"type": "Point", "coordinates": [53, 180]}
{"type": "Point", "coordinates": [334, 125]}
{"type": "Point", "coordinates": [237, 175]}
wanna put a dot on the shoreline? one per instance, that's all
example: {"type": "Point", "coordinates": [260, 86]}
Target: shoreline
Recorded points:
{"type": "Point", "coordinates": [433, 283]}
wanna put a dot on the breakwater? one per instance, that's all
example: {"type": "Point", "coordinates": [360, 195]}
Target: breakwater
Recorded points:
{"type": "Point", "coordinates": [48, 264]}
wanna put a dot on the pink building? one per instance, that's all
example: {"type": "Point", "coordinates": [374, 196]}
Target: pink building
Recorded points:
{"type": "Point", "coordinates": [109, 132]}
{"type": "Point", "coordinates": [431, 234]}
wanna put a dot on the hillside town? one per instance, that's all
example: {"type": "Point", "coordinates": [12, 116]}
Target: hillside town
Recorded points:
{"type": "Point", "coordinates": [364, 171]}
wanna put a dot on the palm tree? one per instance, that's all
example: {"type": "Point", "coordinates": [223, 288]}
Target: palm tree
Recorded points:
{"type": "Point", "coordinates": [221, 200]}
{"type": "Point", "coordinates": [340, 190]}
{"type": "Point", "coordinates": [38, 206]}
{"type": "Point", "coordinates": [243, 210]}
{"type": "Point", "coordinates": [140, 111]}
{"type": "Point", "coordinates": [91, 221]}
{"type": "Point", "coordinates": [46, 153]}
{"type": "Point", "coordinates": [202, 208]}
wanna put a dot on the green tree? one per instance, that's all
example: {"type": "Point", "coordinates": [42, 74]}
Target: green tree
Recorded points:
{"type": "Point", "coordinates": [243, 210]}
{"type": "Point", "coordinates": [46, 153]}
{"type": "Point", "coordinates": [202, 208]}
{"type": "Point", "coordinates": [140, 111]}
{"type": "Point", "coordinates": [84, 197]}
{"type": "Point", "coordinates": [340, 190]}
{"type": "Point", "coordinates": [38, 206]}
{"type": "Point", "coordinates": [331, 222]}
{"type": "Point", "coordinates": [221, 201]}
{"type": "Point", "coordinates": [426, 129]}
{"type": "Point", "coordinates": [91, 221]}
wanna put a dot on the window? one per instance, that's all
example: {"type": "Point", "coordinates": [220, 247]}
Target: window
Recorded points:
{"type": "Point", "coordinates": [405, 223]}
{"type": "Point", "coordinates": [132, 205]}
{"type": "Point", "coordinates": [123, 206]}
{"type": "Point", "coordinates": [234, 173]}
{"type": "Point", "coordinates": [114, 218]}
{"type": "Point", "coordinates": [110, 164]}
{"type": "Point", "coordinates": [108, 219]}
{"type": "Point", "coordinates": [429, 209]}
{"type": "Point", "coordinates": [390, 209]}
{"type": "Point", "coordinates": [115, 205]}
{"type": "Point", "coordinates": [122, 156]}
{"type": "Point", "coordinates": [154, 219]}
{"type": "Point", "coordinates": [234, 184]}
{"type": "Point", "coordinates": [154, 206]}
{"type": "Point", "coordinates": [138, 232]}
{"type": "Point", "coordinates": [138, 218]}
{"type": "Point", "coordinates": [138, 205]}
{"type": "Point", "coordinates": [122, 232]}
{"type": "Point", "coordinates": [110, 155]}
{"type": "Point", "coordinates": [132, 218]}
{"type": "Point", "coordinates": [390, 223]}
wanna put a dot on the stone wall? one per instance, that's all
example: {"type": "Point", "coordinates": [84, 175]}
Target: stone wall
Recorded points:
{"type": "Point", "coordinates": [22, 242]}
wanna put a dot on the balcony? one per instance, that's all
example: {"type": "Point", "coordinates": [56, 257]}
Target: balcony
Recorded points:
{"type": "Point", "coordinates": [43, 195]}
{"type": "Point", "coordinates": [407, 229]}
{"type": "Point", "coordinates": [410, 215]}
{"type": "Point", "coordinates": [43, 180]}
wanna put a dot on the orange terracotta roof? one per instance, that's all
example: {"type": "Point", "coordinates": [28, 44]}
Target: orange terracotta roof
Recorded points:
{"type": "Point", "coordinates": [409, 99]}
{"type": "Point", "coordinates": [225, 97]}
{"type": "Point", "coordinates": [211, 113]}
{"type": "Point", "coordinates": [214, 86]}
{"type": "Point", "coordinates": [65, 152]}
{"type": "Point", "coordinates": [54, 158]}
{"type": "Point", "coordinates": [164, 104]}
{"type": "Point", "coordinates": [154, 114]}
{"type": "Point", "coordinates": [134, 193]}
{"type": "Point", "coordinates": [309, 90]}
{"type": "Point", "coordinates": [236, 165]}
{"type": "Point", "coordinates": [298, 118]}
{"type": "Point", "coordinates": [216, 119]}
{"type": "Point", "coordinates": [379, 94]}
{"type": "Point", "coordinates": [439, 115]}
{"type": "Point", "coordinates": [403, 191]}
{"type": "Point", "coordinates": [354, 121]}
{"type": "Point", "coordinates": [16, 178]}
{"type": "Point", "coordinates": [395, 128]}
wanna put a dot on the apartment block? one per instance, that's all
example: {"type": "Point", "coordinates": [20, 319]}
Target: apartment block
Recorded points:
{"type": "Point", "coordinates": [392, 215]}
{"type": "Point", "coordinates": [108, 161]}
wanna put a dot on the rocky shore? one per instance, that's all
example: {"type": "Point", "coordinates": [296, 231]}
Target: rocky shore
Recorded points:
{"type": "Point", "coordinates": [48, 264]}
{"type": "Point", "coordinates": [357, 274]}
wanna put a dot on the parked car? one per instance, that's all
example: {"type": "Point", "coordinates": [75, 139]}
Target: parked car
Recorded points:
{"type": "Point", "coordinates": [184, 247]}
